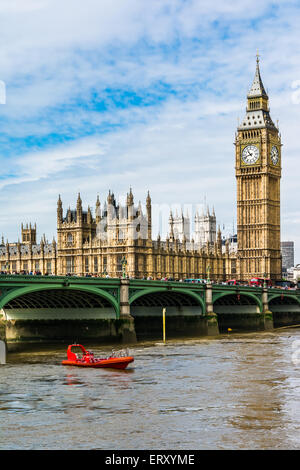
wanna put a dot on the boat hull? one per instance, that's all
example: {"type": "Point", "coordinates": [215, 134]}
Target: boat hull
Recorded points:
{"type": "Point", "coordinates": [112, 363]}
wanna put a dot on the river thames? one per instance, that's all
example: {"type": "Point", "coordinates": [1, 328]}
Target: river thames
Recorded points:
{"type": "Point", "coordinates": [238, 391]}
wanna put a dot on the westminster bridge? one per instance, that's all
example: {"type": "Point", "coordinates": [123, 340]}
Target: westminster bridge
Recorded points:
{"type": "Point", "coordinates": [56, 308]}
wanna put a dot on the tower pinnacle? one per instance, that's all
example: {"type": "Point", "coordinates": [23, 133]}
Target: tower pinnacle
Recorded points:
{"type": "Point", "coordinates": [257, 112]}
{"type": "Point", "coordinates": [257, 89]}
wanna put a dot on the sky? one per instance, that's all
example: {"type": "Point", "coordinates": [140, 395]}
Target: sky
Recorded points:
{"type": "Point", "coordinates": [106, 95]}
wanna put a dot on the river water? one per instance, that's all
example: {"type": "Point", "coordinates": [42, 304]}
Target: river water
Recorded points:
{"type": "Point", "coordinates": [231, 392]}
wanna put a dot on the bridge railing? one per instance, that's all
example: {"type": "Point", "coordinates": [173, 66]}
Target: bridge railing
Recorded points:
{"type": "Point", "coordinates": [182, 283]}
{"type": "Point", "coordinates": [38, 277]}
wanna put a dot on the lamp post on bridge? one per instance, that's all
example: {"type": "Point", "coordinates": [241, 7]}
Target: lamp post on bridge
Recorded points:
{"type": "Point", "coordinates": [207, 272]}
{"type": "Point", "coordinates": [265, 282]}
{"type": "Point", "coordinates": [128, 327]}
{"type": "Point", "coordinates": [124, 263]}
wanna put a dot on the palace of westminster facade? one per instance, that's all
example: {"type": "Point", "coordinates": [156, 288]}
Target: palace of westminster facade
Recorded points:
{"type": "Point", "coordinates": [119, 238]}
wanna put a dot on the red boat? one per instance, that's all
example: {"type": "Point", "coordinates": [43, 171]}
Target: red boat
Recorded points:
{"type": "Point", "coordinates": [87, 359]}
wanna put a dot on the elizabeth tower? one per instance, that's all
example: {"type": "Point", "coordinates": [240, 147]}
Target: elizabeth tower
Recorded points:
{"type": "Point", "coordinates": [258, 173]}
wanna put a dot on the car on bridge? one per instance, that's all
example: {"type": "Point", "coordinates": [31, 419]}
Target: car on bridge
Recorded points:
{"type": "Point", "coordinates": [285, 284]}
{"type": "Point", "coordinates": [196, 281]}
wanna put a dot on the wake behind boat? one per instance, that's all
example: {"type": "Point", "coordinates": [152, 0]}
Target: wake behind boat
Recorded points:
{"type": "Point", "coordinates": [118, 360]}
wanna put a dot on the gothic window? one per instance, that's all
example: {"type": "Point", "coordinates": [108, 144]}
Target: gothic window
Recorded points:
{"type": "Point", "coordinates": [119, 263]}
{"type": "Point", "coordinates": [171, 268]}
{"type": "Point", "coordinates": [70, 264]}
{"type": "Point", "coordinates": [104, 263]}
{"type": "Point", "coordinates": [233, 266]}
{"type": "Point", "coordinates": [188, 269]}
{"type": "Point", "coordinates": [95, 264]}
{"type": "Point", "coordinates": [49, 266]}
{"type": "Point", "coordinates": [180, 265]}
{"type": "Point", "coordinates": [141, 264]}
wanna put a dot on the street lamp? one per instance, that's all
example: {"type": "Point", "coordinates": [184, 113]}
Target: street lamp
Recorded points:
{"type": "Point", "coordinates": [207, 270]}
{"type": "Point", "coordinates": [123, 262]}
{"type": "Point", "coordinates": [265, 282]}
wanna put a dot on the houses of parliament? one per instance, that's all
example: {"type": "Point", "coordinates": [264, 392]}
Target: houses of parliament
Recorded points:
{"type": "Point", "coordinates": [118, 239]}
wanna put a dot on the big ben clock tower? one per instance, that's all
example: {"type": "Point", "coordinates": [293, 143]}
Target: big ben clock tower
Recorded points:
{"type": "Point", "coordinates": [258, 173]}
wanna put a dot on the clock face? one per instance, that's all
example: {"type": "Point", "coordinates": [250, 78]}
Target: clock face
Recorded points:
{"type": "Point", "coordinates": [274, 155]}
{"type": "Point", "coordinates": [250, 154]}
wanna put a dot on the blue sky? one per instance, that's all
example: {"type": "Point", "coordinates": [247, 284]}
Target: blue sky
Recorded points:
{"type": "Point", "coordinates": [106, 95]}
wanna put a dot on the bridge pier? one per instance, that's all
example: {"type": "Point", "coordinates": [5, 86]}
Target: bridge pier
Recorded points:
{"type": "Point", "coordinates": [268, 315]}
{"type": "Point", "coordinates": [2, 329]}
{"type": "Point", "coordinates": [127, 326]}
{"type": "Point", "coordinates": [3, 343]}
{"type": "Point", "coordinates": [210, 317]}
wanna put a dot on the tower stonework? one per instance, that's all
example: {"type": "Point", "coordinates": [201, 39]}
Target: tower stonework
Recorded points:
{"type": "Point", "coordinates": [205, 227]}
{"type": "Point", "coordinates": [258, 173]}
{"type": "Point", "coordinates": [28, 233]}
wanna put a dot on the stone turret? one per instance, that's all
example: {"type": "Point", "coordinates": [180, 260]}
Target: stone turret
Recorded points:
{"type": "Point", "coordinates": [98, 210]}
{"type": "Point", "coordinates": [149, 215]}
{"type": "Point", "coordinates": [219, 240]}
{"type": "Point", "coordinates": [69, 215]}
{"type": "Point", "coordinates": [89, 216]}
{"type": "Point", "coordinates": [79, 209]}
{"type": "Point", "coordinates": [59, 211]}
{"type": "Point", "coordinates": [181, 227]}
{"type": "Point", "coordinates": [171, 227]}
{"type": "Point", "coordinates": [28, 234]}
{"type": "Point", "coordinates": [130, 206]}
{"type": "Point", "coordinates": [205, 227]}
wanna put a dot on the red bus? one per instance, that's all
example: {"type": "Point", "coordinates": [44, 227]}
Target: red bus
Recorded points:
{"type": "Point", "coordinates": [233, 282]}
{"type": "Point", "coordinates": [259, 282]}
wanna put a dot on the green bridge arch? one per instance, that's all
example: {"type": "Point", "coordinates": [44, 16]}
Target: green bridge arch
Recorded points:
{"type": "Point", "coordinates": [250, 295]}
{"type": "Point", "coordinates": [20, 292]}
{"type": "Point", "coordinates": [284, 294]}
{"type": "Point", "coordinates": [165, 290]}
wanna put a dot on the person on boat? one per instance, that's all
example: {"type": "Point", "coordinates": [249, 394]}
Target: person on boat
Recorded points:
{"type": "Point", "coordinates": [88, 357]}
